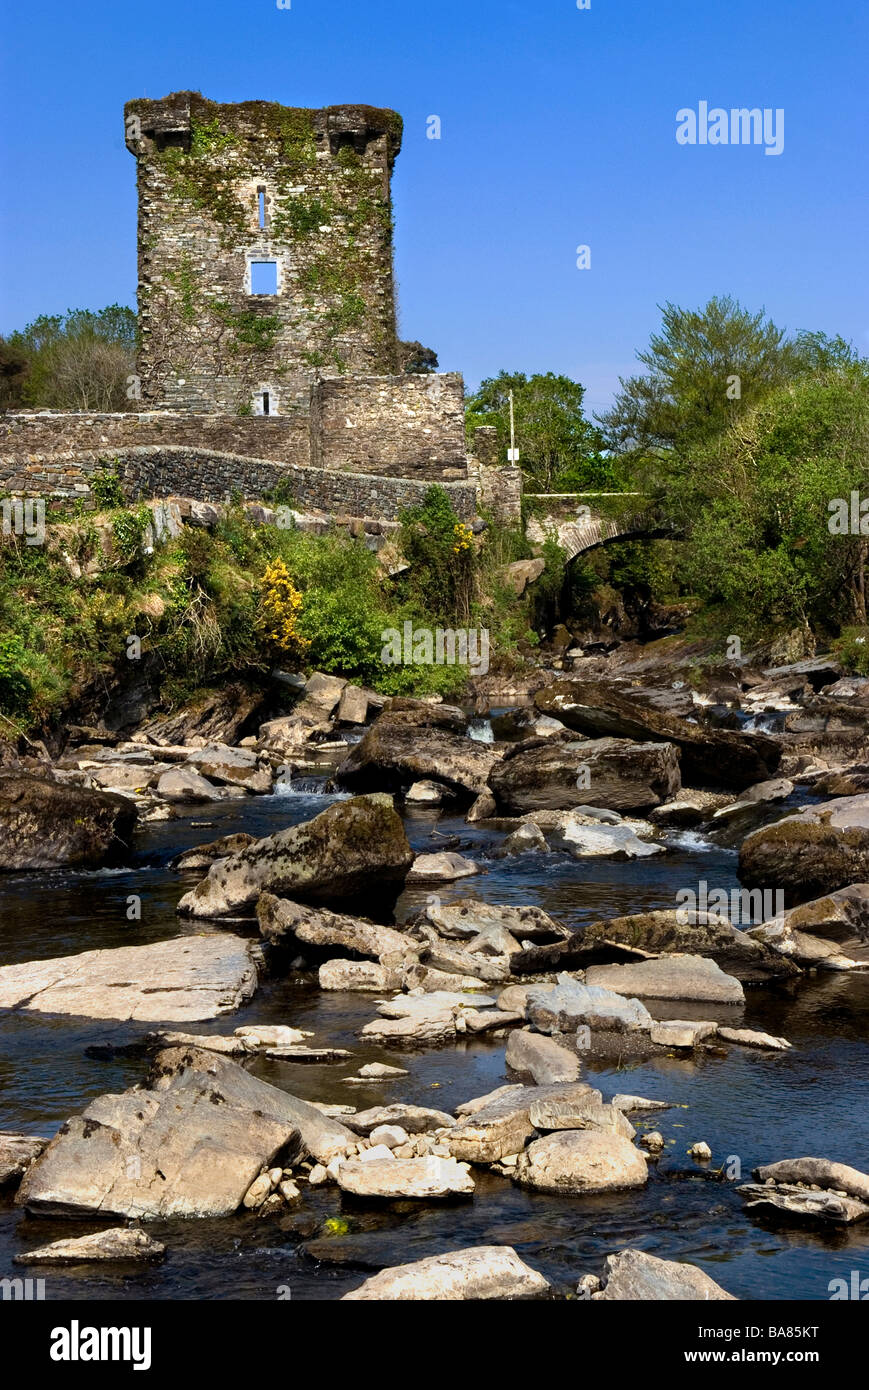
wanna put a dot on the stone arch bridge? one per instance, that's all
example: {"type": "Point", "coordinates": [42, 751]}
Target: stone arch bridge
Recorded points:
{"type": "Point", "coordinates": [573, 520]}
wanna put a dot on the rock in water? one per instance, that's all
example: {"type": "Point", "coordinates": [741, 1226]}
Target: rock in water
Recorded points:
{"type": "Point", "coordinates": [823, 848]}
{"type": "Point", "coordinates": [283, 922]}
{"type": "Point", "coordinates": [560, 773]}
{"type": "Point", "coordinates": [541, 1058]}
{"type": "Point", "coordinates": [637, 1277]}
{"type": "Point", "coordinates": [581, 1160]}
{"type": "Point", "coordinates": [190, 1144]}
{"type": "Point", "coordinates": [483, 1271]}
{"type": "Point", "coordinates": [44, 824]}
{"type": "Point", "coordinates": [185, 980]}
{"type": "Point", "coordinates": [405, 746]}
{"type": "Point", "coordinates": [440, 868]}
{"type": "Point", "coordinates": [397, 1178]}
{"type": "Point", "coordinates": [118, 1243]}
{"type": "Point", "coordinates": [821, 1172]}
{"type": "Point", "coordinates": [669, 977]}
{"type": "Point", "coordinates": [353, 848]}
{"type": "Point", "coordinates": [699, 933]}
{"type": "Point", "coordinates": [721, 757]}
{"type": "Point", "coordinates": [17, 1152]}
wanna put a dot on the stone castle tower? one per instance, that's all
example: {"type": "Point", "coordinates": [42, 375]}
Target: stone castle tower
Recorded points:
{"type": "Point", "coordinates": [265, 250]}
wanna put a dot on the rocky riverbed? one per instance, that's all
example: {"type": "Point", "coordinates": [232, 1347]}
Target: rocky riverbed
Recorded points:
{"type": "Point", "coordinates": [368, 988]}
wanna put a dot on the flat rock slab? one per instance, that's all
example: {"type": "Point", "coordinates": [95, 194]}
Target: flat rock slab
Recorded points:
{"type": "Point", "coordinates": [637, 1277]}
{"type": "Point", "coordinates": [185, 980]}
{"type": "Point", "coordinates": [669, 977]}
{"type": "Point", "coordinates": [581, 1160]}
{"type": "Point", "coordinates": [823, 1172]}
{"type": "Point", "coordinates": [191, 1145]}
{"type": "Point", "coordinates": [483, 1271]}
{"type": "Point", "coordinates": [802, 1202]}
{"type": "Point", "coordinates": [396, 1178]}
{"type": "Point", "coordinates": [118, 1244]}
{"type": "Point", "coordinates": [675, 1032]}
{"type": "Point", "coordinates": [590, 1113]}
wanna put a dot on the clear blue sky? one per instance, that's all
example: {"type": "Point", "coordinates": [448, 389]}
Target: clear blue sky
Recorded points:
{"type": "Point", "coordinates": [558, 129]}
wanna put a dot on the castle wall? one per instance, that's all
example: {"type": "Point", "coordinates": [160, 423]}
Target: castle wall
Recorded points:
{"type": "Point", "coordinates": [412, 426]}
{"type": "Point", "coordinates": [225, 190]}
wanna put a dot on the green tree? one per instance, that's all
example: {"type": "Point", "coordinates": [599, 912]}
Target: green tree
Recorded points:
{"type": "Point", "coordinates": [705, 368]}
{"type": "Point", "coordinates": [755, 506]}
{"type": "Point", "coordinates": [559, 449]}
{"type": "Point", "coordinates": [74, 361]}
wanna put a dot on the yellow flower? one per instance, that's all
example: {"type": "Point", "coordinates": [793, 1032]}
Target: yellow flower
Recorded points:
{"type": "Point", "coordinates": [280, 609]}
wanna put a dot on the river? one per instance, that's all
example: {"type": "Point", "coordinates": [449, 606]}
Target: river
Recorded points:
{"type": "Point", "coordinates": [749, 1106]}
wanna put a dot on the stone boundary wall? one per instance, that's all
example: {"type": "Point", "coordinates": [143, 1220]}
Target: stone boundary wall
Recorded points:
{"type": "Point", "coordinates": [283, 438]}
{"type": "Point", "coordinates": [209, 475]}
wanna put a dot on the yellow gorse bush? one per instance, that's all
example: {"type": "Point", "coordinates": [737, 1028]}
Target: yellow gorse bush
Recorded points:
{"type": "Point", "coordinates": [280, 609]}
{"type": "Point", "coordinates": [463, 538]}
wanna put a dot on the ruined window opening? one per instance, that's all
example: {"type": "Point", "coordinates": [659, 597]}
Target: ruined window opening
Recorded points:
{"type": "Point", "coordinates": [266, 407]}
{"type": "Point", "coordinates": [264, 277]}
{"type": "Point", "coordinates": [261, 207]}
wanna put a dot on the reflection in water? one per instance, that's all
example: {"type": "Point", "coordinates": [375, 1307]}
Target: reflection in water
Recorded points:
{"type": "Point", "coordinates": [749, 1107]}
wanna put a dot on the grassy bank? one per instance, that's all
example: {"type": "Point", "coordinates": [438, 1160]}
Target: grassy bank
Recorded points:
{"type": "Point", "coordinates": [239, 599]}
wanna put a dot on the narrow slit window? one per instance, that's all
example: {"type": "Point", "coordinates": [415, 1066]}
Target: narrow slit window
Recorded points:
{"type": "Point", "coordinates": [263, 277]}
{"type": "Point", "coordinates": [266, 404]}
{"type": "Point", "coordinates": [261, 207]}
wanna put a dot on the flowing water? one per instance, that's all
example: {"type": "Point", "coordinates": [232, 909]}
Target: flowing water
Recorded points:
{"type": "Point", "coordinates": [750, 1107]}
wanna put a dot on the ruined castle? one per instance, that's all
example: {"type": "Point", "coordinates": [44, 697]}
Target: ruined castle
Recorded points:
{"type": "Point", "coordinates": [268, 344]}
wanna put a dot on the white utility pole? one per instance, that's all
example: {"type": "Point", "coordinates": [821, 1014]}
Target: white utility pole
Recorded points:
{"type": "Point", "coordinates": [512, 452]}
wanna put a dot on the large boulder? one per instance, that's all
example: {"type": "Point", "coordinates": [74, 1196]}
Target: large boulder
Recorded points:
{"type": "Point", "coordinates": [637, 1277]}
{"type": "Point", "coordinates": [483, 1271]}
{"type": "Point", "coordinates": [185, 980]}
{"type": "Point", "coordinates": [406, 746]}
{"type": "Point", "coordinates": [352, 849]}
{"type": "Point", "coordinates": [189, 1144]}
{"type": "Point", "coordinates": [721, 757]}
{"type": "Point", "coordinates": [840, 919]}
{"type": "Point", "coordinates": [669, 977]}
{"type": "Point", "coordinates": [817, 1172]}
{"type": "Point", "coordinates": [285, 923]}
{"type": "Point", "coordinates": [561, 772]}
{"type": "Point", "coordinates": [823, 848]}
{"type": "Point", "coordinates": [581, 1160]}
{"type": "Point", "coordinates": [48, 825]}
{"type": "Point", "coordinates": [670, 930]}
{"type": "Point", "coordinates": [572, 1004]}
{"type": "Point", "coordinates": [468, 917]}
{"type": "Point", "coordinates": [234, 767]}
{"type": "Point", "coordinates": [495, 1126]}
